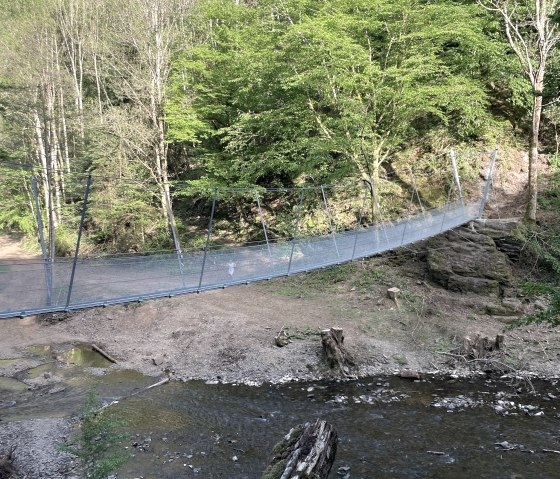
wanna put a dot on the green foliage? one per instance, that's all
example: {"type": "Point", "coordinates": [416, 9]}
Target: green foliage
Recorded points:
{"type": "Point", "coordinates": [301, 333]}
{"type": "Point", "coordinates": [15, 198]}
{"type": "Point", "coordinates": [319, 91]}
{"type": "Point", "coordinates": [544, 244]}
{"type": "Point", "coordinates": [97, 444]}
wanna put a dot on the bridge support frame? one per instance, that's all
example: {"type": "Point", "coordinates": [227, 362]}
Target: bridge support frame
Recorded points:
{"type": "Point", "coordinates": [208, 236]}
{"type": "Point", "coordinates": [489, 180]}
{"type": "Point", "coordinates": [82, 219]}
{"type": "Point", "coordinates": [176, 242]}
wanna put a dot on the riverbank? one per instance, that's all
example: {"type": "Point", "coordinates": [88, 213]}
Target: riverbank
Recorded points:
{"type": "Point", "coordinates": [228, 335]}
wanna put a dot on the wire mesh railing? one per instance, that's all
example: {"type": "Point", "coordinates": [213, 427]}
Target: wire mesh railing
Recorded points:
{"type": "Point", "coordinates": [301, 234]}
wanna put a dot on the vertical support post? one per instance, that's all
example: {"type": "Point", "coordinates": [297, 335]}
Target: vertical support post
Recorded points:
{"type": "Point", "coordinates": [489, 179]}
{"type": "Point", "coordinates": [330, 220]}
{"type": "Point", "coordinates": [208, 237]}
{"type": "Point", "coordinates": [263, 223]}
{"type": "Point", "coordinates": [451, 188]}
{"type": "Point", "coordinates": [296, 229]}
{"type": "Point", "coordinates": [52, 228]}
{"type": "Point", "coordinates": [456, 176]}
{"type": "Point", "coordinates": [378, 207]}
{"type": "Point", "coordinates": [82, 219]}
{"type": "Point", "coordinates": [40, 227]}
{"type": "Point", "coordinates": [173, 226]}
{"type": "Point", "coordinates": [404, 231]}
{"type": "Point", "coordinates": [416, 190]}
{"type": "Point", "coordinates": [359, 224]}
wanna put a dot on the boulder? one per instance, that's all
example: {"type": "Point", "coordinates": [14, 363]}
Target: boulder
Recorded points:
{"type": "Point", "coordinates": [465, 261]}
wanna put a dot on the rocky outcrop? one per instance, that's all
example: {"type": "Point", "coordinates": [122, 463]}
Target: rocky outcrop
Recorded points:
{"type": "Point", "coordinates": [502, 232]}
{"type": "Point", "coordinates": [466, 261]}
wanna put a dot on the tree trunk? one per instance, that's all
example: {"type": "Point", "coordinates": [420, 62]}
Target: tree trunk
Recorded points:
{"type": "Point", "coordinates": [336, 354]}
{"type": "Point", "coordinates": [307, 452]}
{"type": "Point", "coordinates": [531, 211]}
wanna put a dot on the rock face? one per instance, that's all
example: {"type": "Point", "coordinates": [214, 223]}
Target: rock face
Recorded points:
{"type": "Point", "coordinates": [466, 261]}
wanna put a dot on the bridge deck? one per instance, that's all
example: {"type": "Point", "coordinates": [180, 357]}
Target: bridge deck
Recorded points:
{"type": "Point", "coordinates": [24, 290]}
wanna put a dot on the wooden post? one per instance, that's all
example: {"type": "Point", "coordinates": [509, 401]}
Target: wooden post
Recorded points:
{"type": "Point", "coordinates": [306, 452]}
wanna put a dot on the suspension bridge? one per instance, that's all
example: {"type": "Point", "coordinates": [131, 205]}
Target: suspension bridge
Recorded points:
{"type": "Point", "coordinates": [49, 284]}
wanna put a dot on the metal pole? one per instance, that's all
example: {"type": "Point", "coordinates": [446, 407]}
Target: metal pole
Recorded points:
{"type": "Point", "coordinates": [404, 232]}
{"type": "Point", "coordinates": [359, 224]}
{"type": "Point", "coordinates": [296, 230]}
{"type": "Point", "coordinates": [50, 217]}
{"type": "Point", "coordinates": [40, 227]}
{"type": "Point", "coordinates": [416, 190]}
{"type": "Point", "coordinates": [82, 219]}
{"type": "Point", "coordinates": [175, 235]}
{"type": "Point", "coordinates": [375, 199]}
{"type": "Point", "coordinates": [456, 176]}
{"type": "Point", "coordinates": [208, 237]}
{"type": "Point", "coordinates": [263, 223]}
{"type": "Point", "coordinates": [446, 206]}
{"type": "Point", "coordinates": [330, 220]}
{"type": "Point", "coordinates": [489, 180]}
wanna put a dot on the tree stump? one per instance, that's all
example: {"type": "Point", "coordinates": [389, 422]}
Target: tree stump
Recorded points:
{"type": "Point", "coordinates": [306, 452]}
{"type": "Point", "coordinates": [482, 347]}
{"type": "Point", "coordinates": [336, 354]}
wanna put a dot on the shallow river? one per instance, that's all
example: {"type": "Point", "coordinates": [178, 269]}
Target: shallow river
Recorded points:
{"type": "Point", "coordinates": [387, 427]}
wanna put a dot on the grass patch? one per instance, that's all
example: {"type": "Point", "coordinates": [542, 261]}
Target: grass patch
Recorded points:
{"type": "Point", "coordinates": [316, 282]}
{"type": "Point", "coordinates": [302, 333]}
{"type": "Point", "coordinates": [4, 268]}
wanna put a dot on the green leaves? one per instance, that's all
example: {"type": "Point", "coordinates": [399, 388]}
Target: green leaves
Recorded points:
{"type": "Point", "coordinates": [97, 443]}
{"type": "Point", "coordinates": [318, 91]}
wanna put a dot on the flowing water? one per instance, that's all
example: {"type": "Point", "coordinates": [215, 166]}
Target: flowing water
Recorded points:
{"type": "Point", "coordinates": [387, 427]}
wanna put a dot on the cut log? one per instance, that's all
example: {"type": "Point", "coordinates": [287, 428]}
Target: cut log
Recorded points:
{"type": "Point", "coordinates": [306, 452]}
{"type": "Point", "coordinates": [336, 354]}
{"type": "Point", "coordinates": [103, 353]}
{"type": "Point", "coordinates": [482, 347]}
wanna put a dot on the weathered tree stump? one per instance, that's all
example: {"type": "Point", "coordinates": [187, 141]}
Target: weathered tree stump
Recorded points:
{"type": "Point", "coordinates": [336, 354]}
{"type": "Point", "coordinates": [7, 468]}
{"type": "Point", "coordinates": [482, 347]}
{"type": "Point", "coordinates": [306, 452]}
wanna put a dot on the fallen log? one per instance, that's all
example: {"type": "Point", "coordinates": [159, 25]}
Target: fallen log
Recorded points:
{"type": "Point", "coordinates": [103, 353]}
{"type": "Point", "coordinates": [306, 452]}
{"type": "Point", "coordinates": [336, 354]}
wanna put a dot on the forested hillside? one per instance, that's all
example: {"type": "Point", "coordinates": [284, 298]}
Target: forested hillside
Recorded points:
{"type": "Point", "coordinates": [229, 93]}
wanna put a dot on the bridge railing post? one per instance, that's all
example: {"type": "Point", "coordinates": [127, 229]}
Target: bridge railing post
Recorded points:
{"type": "Point", "coordinates": [360, 216]}
{"type": "Point", "coordinates": [377, 207]}
{"type": "Point", "coordinates": [263, 224]}
{"type": "Point", "coordinates": [173, 226]}
{"type": "Point", "coordinates": [456, 176]}
{"type": "Point", "coordinates": [415, 188]}
{"type": "Point", "coordinates": [446, 207]}
{"type": "Point", "coordinates": [208, 235]}
{"type": "Point", "coordinates": [329, 218]}
{"type": "Point", "coordinates": [82, 219]}
{"type": "Point", "coordinates": [40, 227]}
{"type": "Point", "coordinates": [296, 227]}
{"type": "Point", "coordinates": [489, 180]}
